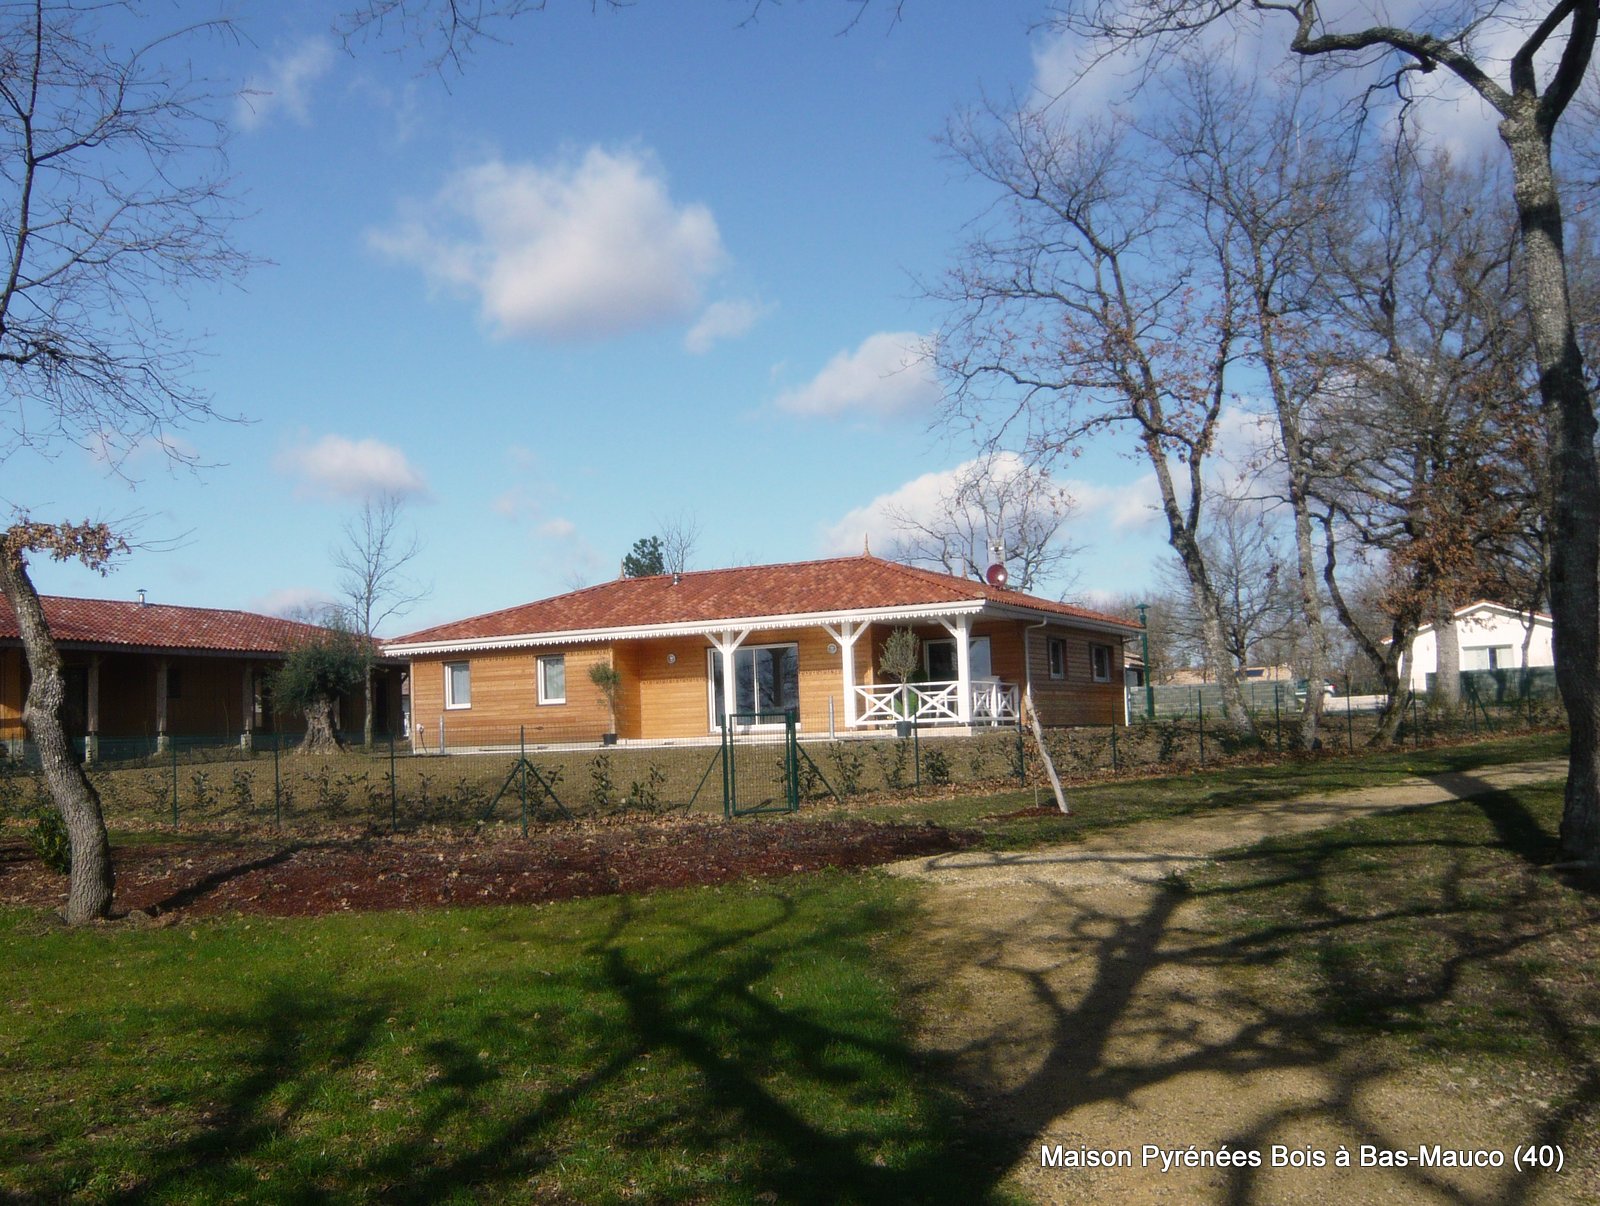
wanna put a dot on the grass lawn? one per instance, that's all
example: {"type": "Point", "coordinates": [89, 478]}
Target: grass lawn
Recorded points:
{"type": "Point", "coordinates": [736, 1044]}
{"type": "Point", "coordinates": [1432, 935]}
{"type": "Point", "coordinates": [1122, 801]}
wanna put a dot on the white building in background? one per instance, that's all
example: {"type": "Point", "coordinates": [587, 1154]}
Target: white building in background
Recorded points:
{"type": "Point", "coordinates": [1491, 638]}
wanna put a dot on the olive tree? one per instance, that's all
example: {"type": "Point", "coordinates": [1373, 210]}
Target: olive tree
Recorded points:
{"type": "Point", "coordinates": [314, 675]}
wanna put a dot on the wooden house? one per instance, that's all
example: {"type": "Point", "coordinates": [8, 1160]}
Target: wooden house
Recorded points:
{"type": "Point", "coordinates": [146, 674]}
{"type": "Point", "coordinates": [690, 649]}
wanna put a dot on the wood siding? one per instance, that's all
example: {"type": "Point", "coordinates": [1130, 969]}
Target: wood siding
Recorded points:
{"type": "Point", "coordinates": [664, 694]}
{"type": "Point", "coordinates": [1075, 699]}
{"type": "Point", "coordinates": [505, 698]}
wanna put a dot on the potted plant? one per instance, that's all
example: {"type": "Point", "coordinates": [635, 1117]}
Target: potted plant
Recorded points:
{"type": "Point", "coordinates": [899, 660]}
{"type": "Point", "coordinates": [608, 680]}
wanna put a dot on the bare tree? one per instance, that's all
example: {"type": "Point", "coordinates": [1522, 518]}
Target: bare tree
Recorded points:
{"type": "Point", "coordinates": [1098, 300]}
{"type": "Point", "coordinates": [1270, 160]}
{"type": "Point", "coordinates": [111, 194]}
{"type": "Point", "coordinates": [1540, 79]}
{"type": "Point", "coordinates": [998, 509]}
{"type": "Point", "coordinates": [1250, 573]}
{"type": "Point", "coordinates": [680, 536]}
{"type": "Point", "coordinates": [375, 584]}
{"type": "Point", "coordinates": [1427, 369]}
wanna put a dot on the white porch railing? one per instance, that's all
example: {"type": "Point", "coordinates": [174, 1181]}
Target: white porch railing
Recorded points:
{"type": "Point", "coordinates": [883, 704]}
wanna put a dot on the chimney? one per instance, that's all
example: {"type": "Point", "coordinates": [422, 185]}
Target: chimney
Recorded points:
{"type": "Point", "coordinates": [141, 596]}
{"type": "Point", "coordinates": [677, 578]}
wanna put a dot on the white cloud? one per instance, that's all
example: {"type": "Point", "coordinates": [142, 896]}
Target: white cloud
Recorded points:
{"type": "Point", "coordinates": [891, 373]}
{"type": "Point", "coordinates": [723, 320]}
{"type": "Point", "coordinates": [294, 601]}
{"type": "Point", "coordinates": [917, 499]}
{"type": "Point", "coordinates": [580, 249]}
{"type": "Point", "coordinates": [285, 86]}
{"type": "Point", "coordinates": [342, 468]}
{"type": "Point", "coordinates": [558, 529]}
{"type": "Point", "coordinates": [1121, 509]}
{"type": "Point", "coordinates": [1124, 507]}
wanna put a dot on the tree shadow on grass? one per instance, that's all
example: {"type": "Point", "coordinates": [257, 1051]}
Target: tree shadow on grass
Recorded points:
{"type": "Point", "coordinates": [660, 1060]}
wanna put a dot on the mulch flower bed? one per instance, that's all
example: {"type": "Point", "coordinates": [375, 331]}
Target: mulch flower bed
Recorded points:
{"type": "Point", "coordinates": [285, 877]}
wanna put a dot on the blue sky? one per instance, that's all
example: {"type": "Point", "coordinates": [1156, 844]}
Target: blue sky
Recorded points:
{"type": "Point", "coordinates": [626, 266]}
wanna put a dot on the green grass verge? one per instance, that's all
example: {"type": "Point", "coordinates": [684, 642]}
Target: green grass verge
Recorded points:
{"type": "Point", "coordinates": [1430, 935]}
{"type": "Point", "coordinates": [1120, 802]}
{"type": "Point", "coordinates": [735, 1044]}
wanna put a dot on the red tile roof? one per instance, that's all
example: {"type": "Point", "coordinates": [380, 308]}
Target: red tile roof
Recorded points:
{"type": "Point", "coordinates": [842, 584]}
{"type": "Point", "coordinates": [159, 626]}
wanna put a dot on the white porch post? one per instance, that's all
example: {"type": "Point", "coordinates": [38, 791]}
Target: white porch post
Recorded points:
{"type": "Point", "coordinates": [247, 706]}
{"type": "Point", "coordinates": [726, 644]}
{"type": "Point", "coordinates": [161, 706]}
{"type": "Point", "coordinates": [91, 741]}
{"type": "Point", "coordinates": [962, 631]}
{"type": "Point", "coordinates": [847, 635]}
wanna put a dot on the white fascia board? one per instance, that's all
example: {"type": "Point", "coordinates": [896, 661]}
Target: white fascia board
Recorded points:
{"type": "Point", "coordinates": [1055, 617]}
{"type": "Point", "coordinates": [580, 636]}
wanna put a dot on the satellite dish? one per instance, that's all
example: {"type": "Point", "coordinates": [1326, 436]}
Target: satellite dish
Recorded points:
{"type": "Point", "coordinates": [997, 576]}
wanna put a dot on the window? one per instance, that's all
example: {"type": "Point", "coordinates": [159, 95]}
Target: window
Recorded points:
{"type": "Point", "coordinates": [766, 678]}
{"type": "Point", "coordinates": [1100, 662]}
{"type": "Point", "coordinates": [458, 684]}
{"type": "Point", "coordinates": [1491, 657]}
{"type": "Point", "coordinates": [553, 679]}
{"type": "Point", "coordinates": [1058, 657]}
{"type": "Point", "coordinates": [939, 659]}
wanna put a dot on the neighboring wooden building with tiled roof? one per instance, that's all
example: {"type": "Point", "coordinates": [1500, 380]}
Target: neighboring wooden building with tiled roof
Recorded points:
{"type": "Point", "coordinates": [148, 672]}
{"type": "Point", "coordinates": [692, 648]}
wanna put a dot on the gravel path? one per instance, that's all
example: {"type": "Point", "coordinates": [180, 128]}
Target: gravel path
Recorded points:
{"type": "Point", "coordinates": [1083, 1003]}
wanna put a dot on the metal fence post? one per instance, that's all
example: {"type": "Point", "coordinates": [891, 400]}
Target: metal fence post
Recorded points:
{"type": "Point", "coordinates": [277, 783]}
{"type": "Point", "coordinates": [1200, 710]}
{"type": "Point", "coordinates": [1113, 749]}
{"type": "Point", "coordinates": [522, 773]}
{"type": "Point", "coordinates": [174, 783]}
{"type": "Point", "coordinates": [394, 802]}
{"type": "Point", "coordinates": [1277, 712]}
{"type": "Point", "coordinates": [1349, 717]}
{"type": "Point", "coordinates": [916, 753]}
{"type": "Point", "coordinates": [1022, 755]}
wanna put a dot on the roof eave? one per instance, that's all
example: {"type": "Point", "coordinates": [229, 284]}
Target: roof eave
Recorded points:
{"type": "Point", "coordinates": [580, 636]}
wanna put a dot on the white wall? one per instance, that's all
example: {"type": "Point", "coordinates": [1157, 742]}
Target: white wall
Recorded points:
{"type": "Point", "coordinates": [1479, 630]}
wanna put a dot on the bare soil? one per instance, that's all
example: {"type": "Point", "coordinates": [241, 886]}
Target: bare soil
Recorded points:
{"type": "Point", "coordinates": [363, 872]}
{"type": "Point", "coordinates": [1078, 995]}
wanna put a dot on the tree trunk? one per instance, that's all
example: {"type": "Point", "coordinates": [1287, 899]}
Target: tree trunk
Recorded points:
{"type": "Point", "coordinates": [1181, 536]}
{"type": "Point", "coordinates": [1306, 581]}
{"type": "Point", "coordinates": [1446, 693]}
{"type": "Point", "coordinates": [366, 724]}
{"type": "Point", "coordinates": [92, 881]}
{"type": "Point", "coordinates": [321, 737]}
{"type": "Point", "coordinates": [1575, 525]}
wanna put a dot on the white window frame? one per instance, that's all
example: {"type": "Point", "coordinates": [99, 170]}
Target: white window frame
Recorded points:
{"type": "Point", "coordinates": [539, 677]}
{"type": "Point", "coordinates": [1052, 646]}
{"type": "Point", "coordinates": [449, 687]}
{"type": "Point", "coordinates": [1094, 668]}
{"type": "Point", "coordinates": [714, 679]}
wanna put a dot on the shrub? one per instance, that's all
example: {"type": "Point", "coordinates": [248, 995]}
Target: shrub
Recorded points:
{"type": "Point", "coordinates": [936, 768]}
{"type": "Point", "coordinates": [601, 786]}
{"type": "Point", "coordinates": [848, 767]}
{"type": "Point", "coordinates": [48, 837]}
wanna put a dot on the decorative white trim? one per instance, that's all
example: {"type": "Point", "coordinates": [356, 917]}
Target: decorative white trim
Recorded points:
{"type": "Point", "coordinates": [706, 628]}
